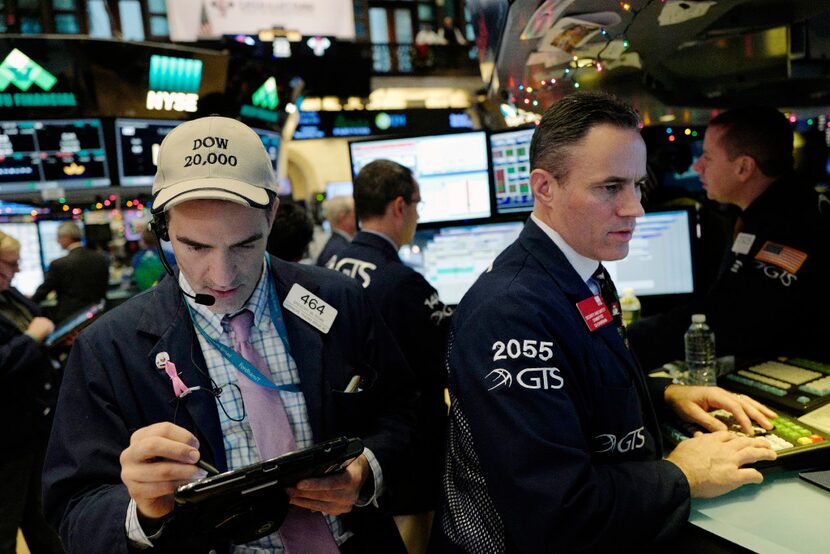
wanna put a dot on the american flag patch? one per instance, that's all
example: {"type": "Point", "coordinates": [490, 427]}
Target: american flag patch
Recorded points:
{"type": "Point", "coordinates": [784, 257]}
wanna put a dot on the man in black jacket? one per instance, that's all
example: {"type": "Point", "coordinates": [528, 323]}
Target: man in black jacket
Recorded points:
{"type": "Point", "coordinates": [766, 298]}
{"type": "Point", "coordinates": [339, 212]}
{"type": "Point", "coordinates": [25, 373]}
{"type": "Point", "coordinates": [386, 200]}
{"type": "Point", "coordinates": [238, 358]}
{"type": "Point", "coordinates": [80, 278]}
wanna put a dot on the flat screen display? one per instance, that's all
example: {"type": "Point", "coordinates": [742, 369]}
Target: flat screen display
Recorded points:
{"type": "Point", "coordinates": [271, 142]}
{"type": "Point", "coordinates": [451, 170]}
{"type": "Point", "coordinates": [30, 275]}
{"type": "Point", "coordinates": [452, 258]}
{"type": "Point", "coordinates": [339, 188]}
{"type": "Point", "coordinates": [135, 222]}
{"type": "Point", "coordinates": [37, 155]}
{"type": "Point", "coordinates": [137, 143]}
{"type": "Point", "coordinates": [510, 152]}
{"type": "Point", "coordinates": [659, 258]}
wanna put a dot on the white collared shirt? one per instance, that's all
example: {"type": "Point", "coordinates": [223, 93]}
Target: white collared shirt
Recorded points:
{"type": "Point", "coordinates": [584, 266]}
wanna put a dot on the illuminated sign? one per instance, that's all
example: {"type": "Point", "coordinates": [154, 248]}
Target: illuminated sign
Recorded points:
{"type": "Point", "coordinates": [364, 123]}
{"type": "Point", "coordinates": [318, 45]}
{"type": "Point", "coordinates": [174, 83]}
{"type": "Point", "coordinates": [281, 47]}
{"type": "Point", "coordinates": [20, 70]}
{"type": "Point", "coordinates": [266, 96]}
{"type": "Point", "coordinates": [385, 121]}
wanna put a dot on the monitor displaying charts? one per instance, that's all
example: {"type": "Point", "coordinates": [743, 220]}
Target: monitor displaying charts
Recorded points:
{"type": "Point", "coordinates": [38, 155]}
{"type": "Point", "coordinates": [510, 152]}
{"type": "Point", "coordinates": [271, 142]}
{"type": "Point", "coordinates": [659, 258]}
{"type": "Point", "coordinates": [137, 144]}
{"type": "Point", "coordinates": [451, 170]}
{"type": "Point", "coordinates": [452, 258]}
{"type": "Point", "coordinates": [339, 188]}
{"type": "Point", "coordinates": [30, 275]}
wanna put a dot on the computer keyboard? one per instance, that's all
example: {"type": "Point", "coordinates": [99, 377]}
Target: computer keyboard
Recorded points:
{"type": "Point", "coordinates": [799, 446]}
{"type": "Point", "coordinates": [795, 384]}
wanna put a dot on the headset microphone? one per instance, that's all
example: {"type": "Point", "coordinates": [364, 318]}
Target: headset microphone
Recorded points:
{"type": "Point", "coordinates": [159, 227]}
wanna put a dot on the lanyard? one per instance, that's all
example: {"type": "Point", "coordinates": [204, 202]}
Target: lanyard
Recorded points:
{"type": "Point", "coordinates": [243, 365]}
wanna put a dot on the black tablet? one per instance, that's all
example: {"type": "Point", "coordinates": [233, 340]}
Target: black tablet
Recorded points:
{"type": "Point", "coordinates": [75, 322]}
{"type": "Point", "coordinates": [249, 503]}
{"type": "Point", "coordinates": [319, 460]}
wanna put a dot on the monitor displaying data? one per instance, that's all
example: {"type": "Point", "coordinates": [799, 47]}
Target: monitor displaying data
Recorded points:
{"type": "Point", "coordinates": [137, 144]}
{"type": "Point", "coordinates": [271, 142]}
{"type": "Point", "coordinates": [38, 155]}
{"type": "Point", "coordinates": [339, 188]}
{"type": "Point", "coordinates": [510, 152]}
{"type": "Point", "coordinates": [452, 258]}
{"type": "Point", "coordinates": [451, 171]}
{"type": "Point", "coordinates": [48, 231]}
{"type": "Point", "coordinates": [659, 258]}
{"type": "Point", "coordinates": [30, 275]}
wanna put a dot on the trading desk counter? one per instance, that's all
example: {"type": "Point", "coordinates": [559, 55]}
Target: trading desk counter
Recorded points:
{"type": "Point", "coordinates": [783, 515]}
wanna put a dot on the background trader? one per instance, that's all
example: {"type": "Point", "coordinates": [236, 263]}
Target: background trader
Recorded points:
{"type": "Point", "coordinates": [553, 441]}
{"type": "Point", "coordinates": [262, 378]}
{"type": "Point", "coordinates": [778, 264]}
{"type": "Point", "coordinates": [386, 200]}
{"type": "Point", "coordinates": [339, 211]}
{"type": "Point", "coordinates": [80, 278]}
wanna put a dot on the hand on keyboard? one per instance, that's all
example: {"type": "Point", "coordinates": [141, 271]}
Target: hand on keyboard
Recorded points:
{"type": "Point", "coordinates": [692, 405]}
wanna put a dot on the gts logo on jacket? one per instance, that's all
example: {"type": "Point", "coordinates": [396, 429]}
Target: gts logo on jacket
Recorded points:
{"type": "Point", "coordinates": [609, 443]}
{"type": "Point", "coordinates": [353, 268]}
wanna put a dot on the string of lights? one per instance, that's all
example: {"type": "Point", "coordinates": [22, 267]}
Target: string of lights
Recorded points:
{"type": "Point", "coordinates": [527, 95]}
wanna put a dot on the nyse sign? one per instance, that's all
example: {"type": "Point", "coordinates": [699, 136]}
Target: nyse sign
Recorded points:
{"type": "Point", "coordinates": [172, 101]}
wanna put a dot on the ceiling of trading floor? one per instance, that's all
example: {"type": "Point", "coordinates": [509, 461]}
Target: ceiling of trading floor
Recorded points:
{"type": "Point", "coordinates": [664, 55]}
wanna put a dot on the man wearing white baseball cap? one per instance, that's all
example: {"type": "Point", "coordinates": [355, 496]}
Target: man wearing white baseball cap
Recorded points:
{"type": "Point", "coordinates": [235, 359]}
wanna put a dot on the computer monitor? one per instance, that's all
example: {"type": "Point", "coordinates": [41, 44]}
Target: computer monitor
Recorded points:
{"type": "Point", "coordinates": [48, 231]}
{"type": "Point", "coordinates": [510, 153]}
{"type": "Point", "coordinates": [30, 275]}
{"type": "Point", "coordinates": [37, 155]}
{"type": "Point", "coordinates": [451, 171]}
{"type": "Point", "coordinates": [339, 188]}
{"type": "Point", "coordinates": [135, 222]}
{"type": "Point", "coordinates": [659, 260]}
{"type": "Point", "coordinates": [271, 142]}
{"type": "Point", "coordinates": [452, 258]}
{"type": "Point", "coordinates": [137, 143]}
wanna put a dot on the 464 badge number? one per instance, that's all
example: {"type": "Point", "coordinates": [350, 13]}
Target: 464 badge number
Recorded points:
{"type": "Point", "coordinates": [312, 303]}
{"type": "Point", "coordinates": [527, 348]}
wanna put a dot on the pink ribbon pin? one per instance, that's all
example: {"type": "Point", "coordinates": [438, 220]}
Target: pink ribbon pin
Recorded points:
{"type": "Point", "coordinates": [178, 385]}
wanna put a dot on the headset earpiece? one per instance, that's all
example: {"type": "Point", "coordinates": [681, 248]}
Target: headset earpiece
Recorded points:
{"type": "Point", "coordinates": [159, 227]}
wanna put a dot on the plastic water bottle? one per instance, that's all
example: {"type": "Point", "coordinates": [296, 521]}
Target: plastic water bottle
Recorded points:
{"type": "Point", "coordinates": [629, 306]}
{"type": "Point", "coordinates": [700, 352]}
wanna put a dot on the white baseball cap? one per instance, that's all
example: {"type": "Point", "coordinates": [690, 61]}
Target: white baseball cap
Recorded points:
{"type": "Point", "coordinates": [212, 158]}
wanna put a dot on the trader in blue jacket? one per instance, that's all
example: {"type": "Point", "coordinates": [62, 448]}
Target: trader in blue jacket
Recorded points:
{"type": "Point", "coordinates": [155, 385]}
{"type": "Point", "coordinates": [386, 200]}
{"type": "Point", "coordinates": [553, 440]}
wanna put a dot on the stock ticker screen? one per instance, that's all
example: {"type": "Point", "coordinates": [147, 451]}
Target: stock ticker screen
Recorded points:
{"type": "Point", "coordinates": [451, 170]}
{"type": "Point", "coordinates": [452, 258]}
{"type": "Point", "coordinates": [137, 142]}
{"type": "Point", "coordinates": [67, 153]}
{"type": "Point", "coordinates": [510, 152]}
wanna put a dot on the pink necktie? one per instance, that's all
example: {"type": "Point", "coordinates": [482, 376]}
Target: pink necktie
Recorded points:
{"type": "Point", "coordinates": [302, 531]}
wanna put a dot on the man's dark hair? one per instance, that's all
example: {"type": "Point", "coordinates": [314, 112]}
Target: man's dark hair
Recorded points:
{"type": "Point", "coordinates": [568, 121]}
{"type": "Point", "coordinates": [291, 233]}
{"type": "Point", "coordinates": [762, 133]}
{"type": "Point", "coordinates": [378, 184]}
